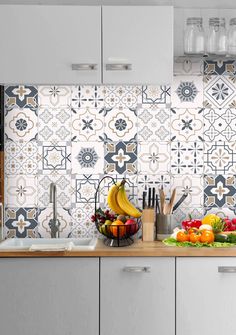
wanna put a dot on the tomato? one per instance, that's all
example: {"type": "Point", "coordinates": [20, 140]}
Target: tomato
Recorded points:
{"type": "Point", "coordinates": [195, 237]}
{"type": "Point", "coordinates": [182, 236]}
{"type": "Point", "coordinates": [207, 236]}
{"type": "Point", "coordinates": [192, 230]}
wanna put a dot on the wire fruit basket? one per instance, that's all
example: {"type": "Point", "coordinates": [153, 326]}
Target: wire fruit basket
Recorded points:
{"type": "Point", "coordinates": [117, 233]}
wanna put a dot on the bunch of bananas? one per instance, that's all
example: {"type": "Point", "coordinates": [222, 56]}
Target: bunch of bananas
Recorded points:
{"type": "Point", "coordinates": [118, 201]}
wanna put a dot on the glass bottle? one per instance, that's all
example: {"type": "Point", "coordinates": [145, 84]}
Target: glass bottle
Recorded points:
{"type": "Point", "coordinates": [232, 37]}
{"type": "Point", "coordinates": [194, 37]}
{"type": "Point", "coordinates": [217, 37]}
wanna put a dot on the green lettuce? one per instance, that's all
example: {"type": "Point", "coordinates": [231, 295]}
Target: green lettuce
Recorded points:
{"type": "Point", "coordinates": [171, 242]}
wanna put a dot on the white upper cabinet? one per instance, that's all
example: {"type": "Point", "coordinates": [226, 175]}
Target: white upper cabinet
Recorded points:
{"type": "Point", "coordinates": [137, 44]}
{"type": "Point", "coordinates": [41, 44]}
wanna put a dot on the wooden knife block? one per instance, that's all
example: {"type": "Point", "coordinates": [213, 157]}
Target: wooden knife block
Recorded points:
{"type": "Point", "coordinates": [148, 225]}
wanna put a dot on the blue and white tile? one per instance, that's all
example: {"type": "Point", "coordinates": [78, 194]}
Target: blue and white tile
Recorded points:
{"type": "Point", "coordinates": [82, 226]}
{"type": "Point", "coordinates": [153, 158]}
{"type": "Point", "coordinates": [84, 188]}
{"type": "Point", "coordinates": [220, 125]}
{"type": "Point", "coordinates": [220, 158]}
{"type": "Point", "coordinates": [21, 96]}
{"type": "Point", "coordinates": [44, 217]}
{"type": "Point", "coordinates": [186, 158]}
{"type": "Point", "coordinates": [87, 96]}
{"type": "Point", "coordinates": [153, 124]}
{"type": "Point", "coordinates": [87, 124]}
{"type": "Point", "coordinates": [222, 212]}
{"type": "Point", "coordinates": [64, 191]}
{"type": "Point", "coordinates": [219, 92]}
{"type": "Point", "coordinates": [120, 125]}
{"type": "Point", "coordinates": [182, 213]}
{"type": "Point", "coordinates": [187, 92]}
{"type": "Point", "coordinates": [87, 157]}
{"type": "Point", "coordinates": [21, 124]}
{"type": "Point", "coordinates": [54, 124]}
{"type": "Point", "coordinates": [54, 96]}
{"type": "Point", "coordinates": [120, 157]}
{"type": "Point", "coordinates": [55, 158]}
{"type": "Point", "coordinates": [121, 97]}
{"type": "Point", "coordinates": [192, 185]}
{"type": "Point", "coordinates": [153, 97]}
{"type": "Point", "coordinates": [219, 67]}
{"type": "Point", "coordinates": [219, 191]}
{"type": "Point", "coordinates": [187, 124]}
{"type": "Point", "coordinates": [21, 222]}
{"type": "Point", "coordinates": [21, 158]}
{"type": "Point", "coordinates": [21, 191]}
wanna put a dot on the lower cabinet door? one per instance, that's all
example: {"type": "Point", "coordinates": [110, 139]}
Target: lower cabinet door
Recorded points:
{"type": "Point", "coordinates": [137, 296]}
{"type": "Point", "coordinates": [49, 296]}
{"type": "Point", "coordinates": [206, 296]}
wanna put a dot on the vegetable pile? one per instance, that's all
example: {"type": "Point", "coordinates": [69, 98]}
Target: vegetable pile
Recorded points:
{"type": "Point", "coordinates": [211, 231]}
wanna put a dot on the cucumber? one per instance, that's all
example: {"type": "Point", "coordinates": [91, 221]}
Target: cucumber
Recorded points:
{"type": "Point", "coordinates": [231, 238]}
{"type": "Point", "coordinates": [221, 238]}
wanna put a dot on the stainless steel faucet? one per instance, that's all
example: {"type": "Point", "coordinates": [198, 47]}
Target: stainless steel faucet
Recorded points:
{"type": "Point", "coordinates": [54, 223]}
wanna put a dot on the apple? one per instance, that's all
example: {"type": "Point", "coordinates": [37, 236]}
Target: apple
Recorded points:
{"type": "Point", "coordinates": [133, 226]}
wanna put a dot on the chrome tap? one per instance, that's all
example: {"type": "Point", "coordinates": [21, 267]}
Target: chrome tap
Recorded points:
{"type": "Point", "coordinates": [54, 223]}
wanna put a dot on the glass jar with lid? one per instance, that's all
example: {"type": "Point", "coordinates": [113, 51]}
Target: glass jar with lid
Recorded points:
{"type": "Point", "coordinates": [194, 40]}
{"type": "Point", "coordinates": [232, 37]}
{"type": "Point", "coordinates": [217, 37]}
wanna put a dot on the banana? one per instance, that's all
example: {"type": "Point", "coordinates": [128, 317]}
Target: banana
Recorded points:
{"type": "Point", "coordinates": [125, 204]}
{"type": "Point", "coordinates": [112, 199]}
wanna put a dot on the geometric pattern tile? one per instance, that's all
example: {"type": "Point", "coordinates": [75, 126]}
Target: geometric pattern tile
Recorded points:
{"type": "Point", "coordinates": [84, 188]}
{"type": "Point", "coordinates": [154, 97]}
{"type": "Point", "coordinates": [220, 158]}
{"type": "Point", "coordinates": [218, 67]}
{"type": "Point", "coordinates": [21, 191]}
{"type": "Point", "coordinates": [54, 96]}
{"type": "Point", "coordinates": [22, 96]}
{"type": "Point", "coordinates": [121, 97]}
{"type": "Point", "coordinates": [85, 96]}
{"type": "Point", "coordinates": [186, 92]}
{"type": "Point", "coordinates": [82, 226]}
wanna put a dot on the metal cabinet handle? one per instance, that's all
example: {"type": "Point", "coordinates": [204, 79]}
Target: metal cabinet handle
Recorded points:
{"type": "Point", "coordinates": [137, 269]}
{"type": "Point", "coordinates": [227, 269]}
{"type": "Point", "coordinates": [84, 67]}
{"type": "Point", "coordinates": [118, 67]}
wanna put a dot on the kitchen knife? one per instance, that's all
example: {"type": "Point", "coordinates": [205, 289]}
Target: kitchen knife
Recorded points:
{"type": "Point", "coordinates": [144, 199]}
{"type": "Point", "coordinates": [149, 197]}
{"type": "Point", "coordinates": [153, 197]}
{"type": "Point", "coordinates": [179, 202]}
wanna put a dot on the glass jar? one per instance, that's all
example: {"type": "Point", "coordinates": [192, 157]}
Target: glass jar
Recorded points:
{"type": "Point", "coordinates": [194, 37]}
{"type": "Point", "coordinates": [232, 37]}
{"type": "Point", "coordinates": [217, 37]}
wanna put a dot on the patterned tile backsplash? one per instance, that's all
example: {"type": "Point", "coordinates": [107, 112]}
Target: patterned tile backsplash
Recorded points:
{"type": "Point", "coordinates": [181, 136]}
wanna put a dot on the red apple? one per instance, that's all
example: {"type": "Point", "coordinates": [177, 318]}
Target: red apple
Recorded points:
{"type": "Point", "coordinates": [133, 226]}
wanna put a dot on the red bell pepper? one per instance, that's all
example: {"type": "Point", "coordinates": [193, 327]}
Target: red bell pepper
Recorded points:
{"type": "Point", "coordinates": [191, 223]}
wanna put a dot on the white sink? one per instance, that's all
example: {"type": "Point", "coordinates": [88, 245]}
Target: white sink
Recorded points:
{"type": "Point", "coordinates": [52, 244]}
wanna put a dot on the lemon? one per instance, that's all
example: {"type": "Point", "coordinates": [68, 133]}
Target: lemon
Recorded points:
{"type": "Point", "coordinates": [210, 219]}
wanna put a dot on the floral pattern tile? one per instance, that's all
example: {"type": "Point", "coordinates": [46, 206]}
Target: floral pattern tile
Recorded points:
{"type": "Point", "coordinates": [84, 188]}
{"type": "Point", "coordinates": [120, 125]}
{"type": "Point", "coordinates": [120, 157]}
{"type": "Point", "coordinates": [46, 214]}
{"type": "Point", "coordinates": [187, 92]}
{"type": "Point", "coordinates": [220, 158]}
{"type": "Point", "coordinates": [187, 158]}
{"type": "Point", "coordinates": [64, 191]}
{"type": "Point", "coordinates": [153, 124]}
{"type": "Point", "coordinates": [192, 185]}
{"type": "Point", "coordinates": [154, 158]}
{"type": "Point", "coordinates": [154, 97]}
{"type": "Point", "coordinates": [84, 96]}
{"type": "Point", "coordinates": [219, 191]}
{"type": "Point", "coordinates": [121, 97]}
{"type": "Point", "coordinates": [221, 211]}
{"type": "Point", "coordinates": [187, 124]}
{"type": "Point", "coordinates": [87, 124]}
{"type": "Point", "coordinates": [219, 92]}
{"type": "Point", "coordinates": [219, 67]}
{"type": "Point", "coordinates": [55, 158]}
{"type": "Point", "coordinates": [87, 157]}
{"type": "Point", "coordinates": [21, 191]}
{"type": "Point", "coordinates": [54, 96]}
{"type": "Point", "coordinates": [82, 226]}
{"type": "Point", "coordinates": [21, 222]}
{"type": "Point", "coordinates": [54, 124]}
{"type": "Point", "coordinates": [21, 158]}
{"type": "Point", "coordinates": [21, 96]}
{"type": "Point", "coordinates": [220, 125]}
{"type": "Point", "coordinates": [21, 124]}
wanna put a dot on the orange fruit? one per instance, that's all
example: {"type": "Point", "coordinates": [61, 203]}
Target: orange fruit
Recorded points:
{"type": "Point", "coordinates": [118, 228]}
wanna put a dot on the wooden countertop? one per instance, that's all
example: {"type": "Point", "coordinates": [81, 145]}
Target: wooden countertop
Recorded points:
{"type": "Point", "coordinates": [138, 249]}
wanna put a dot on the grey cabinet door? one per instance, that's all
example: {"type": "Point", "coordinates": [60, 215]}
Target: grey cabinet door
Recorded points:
{"type": "Point", "coordinates": [206, 298]}
{"type": "Point", "coordinates": [49, 296]}
{"type": "Point", "coordinates": [136, 301]}
{"type": "Point", "coordinates": [141, 37]}
{"type": "Point", "coordinates": [40, 44]}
